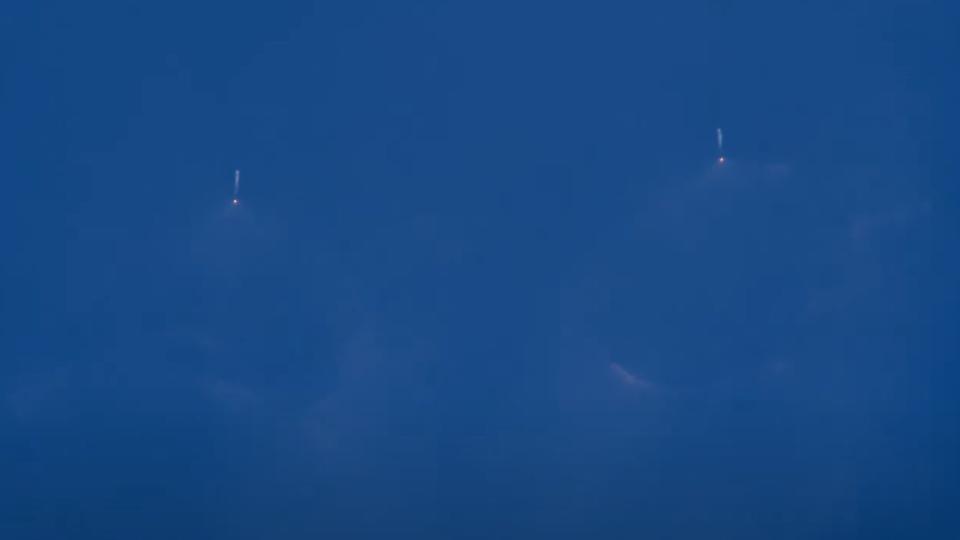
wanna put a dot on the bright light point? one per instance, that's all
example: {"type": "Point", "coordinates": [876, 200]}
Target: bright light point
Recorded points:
{"type": "Point", "coordinates": [721, 160]}
{"type": "Point", "coordinates": [236, 202]}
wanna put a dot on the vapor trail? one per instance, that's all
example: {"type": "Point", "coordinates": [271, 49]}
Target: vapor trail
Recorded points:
{"type": "Point", "coordinates": [720, 158]}
{"type": "Point", "coordinates": [236, 188]}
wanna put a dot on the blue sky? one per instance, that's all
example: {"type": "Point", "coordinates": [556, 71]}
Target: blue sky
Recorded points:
{"type": "Point", "coordinates": [486, 279]}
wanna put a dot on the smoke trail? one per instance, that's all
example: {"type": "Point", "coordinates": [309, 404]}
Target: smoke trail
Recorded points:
{"type": "Point", "coordinates": [236, 183]}
{"type": "Point", "coordinates": [720, 140]}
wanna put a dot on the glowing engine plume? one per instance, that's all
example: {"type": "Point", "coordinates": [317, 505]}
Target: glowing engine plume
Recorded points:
{"type": "Point", "coordinates": [236, 188]}
{"type": "Point", "coordinates": [720, 158]}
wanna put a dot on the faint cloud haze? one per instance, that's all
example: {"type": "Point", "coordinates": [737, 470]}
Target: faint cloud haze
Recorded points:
{"type": "Point", "coordinates": [629, 379]}
{"type": "Point", "coordinates": [867, 224]}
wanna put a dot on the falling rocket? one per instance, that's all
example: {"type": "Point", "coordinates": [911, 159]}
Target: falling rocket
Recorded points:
{"type": "Point", "coordinates": [236, 188]}
{"type": "Point", "coordinates": [720, 158]}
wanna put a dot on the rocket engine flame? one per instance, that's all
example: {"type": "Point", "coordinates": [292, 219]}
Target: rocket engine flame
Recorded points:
{"type": "Point", "coordinates": [236, 188]}
{"type": "Point", "coordinates": [720, 159]}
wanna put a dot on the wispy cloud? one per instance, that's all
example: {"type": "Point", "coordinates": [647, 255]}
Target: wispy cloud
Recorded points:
{"type": "Point", "coordinates": [232, 396]}
{"type": "Point", "coordinates": [864, 225]}
{"type": "Point", "coordinates": [629, 379]}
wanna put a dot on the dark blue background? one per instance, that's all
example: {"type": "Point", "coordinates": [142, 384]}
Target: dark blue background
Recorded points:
{"type": "Point", "coordinates": [486, 280]}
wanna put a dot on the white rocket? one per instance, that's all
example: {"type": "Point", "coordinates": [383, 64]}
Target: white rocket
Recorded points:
{"type": "Point", "coordinates": [236, 188]}
{"type": "Point", "coordinates": [720, 158]}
